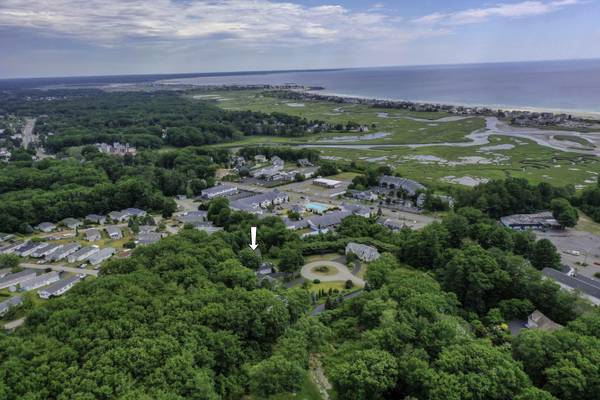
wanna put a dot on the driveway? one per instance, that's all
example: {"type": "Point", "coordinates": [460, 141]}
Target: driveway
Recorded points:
{"type": "Point", "coordinates": [343, 274]}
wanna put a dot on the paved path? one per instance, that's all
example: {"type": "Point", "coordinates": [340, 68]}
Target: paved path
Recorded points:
{"type": "Point", "coordinates": [60, 267]}
{"type": "Point", "coordinates": [28, 136]}
{"type": "Point", "coordinates": [321, 307]}
{"type": "Point", "coordinates": [343, 273]}
{"type": "Point", "coordinates": [9, 326]}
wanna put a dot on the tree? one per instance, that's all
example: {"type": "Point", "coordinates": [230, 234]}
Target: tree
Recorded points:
{"type": "Point", "coordinates": [564, 212]}
{"type": "Point", "coordinates": [379, 270]}
{"type": "Point", "coordinates": [249, 258]}
{"type": "Point", "coordinates": [545, 255]}
{"type": "Point", "coordinates": [290, 258]}
{"type": "Point", "coordinates": [276, 375]}
{"type": "Point", "coordinates": [9, 261]}
{"type": "Point", "coordinates": [364, 374]}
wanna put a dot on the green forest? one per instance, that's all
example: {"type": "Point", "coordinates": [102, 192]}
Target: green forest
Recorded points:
{"type": "Point", "coordinates": [187, 319]}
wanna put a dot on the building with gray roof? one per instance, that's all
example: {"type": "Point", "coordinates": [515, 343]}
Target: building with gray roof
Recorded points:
{"type": "Point", "coordinates": [218, 191]}
{"type": "Point", "coordinates": [362, 251]}
{"type": "Point", "coordinates": [5, 236]}
{"type": "Point", "coordinates": [101, 255]}
{"type": "Point", "coordinates": [71, 223]}
{"type": "Point", "coordinates": [29, 248]}
{"type": "Point", "coordinates": [12, 247]}
{"type": "Point", "coordinates": [118, 216]}
{"type": "Point", "coordinates": [589, 288]}
{"type": "Point", "coordinates": [395, 182]}
{"type": "Point", "coordinates": [6, 305]}
{"type": "Point", "coordinates": [83, 254]}
{"type": "Point", "coordinates": [39, 281]}
{"type": "Point", "coordinates": [64, 252]}
{"type": "Point", "coordinates": [134, 212]}
{"type": "Point", "coordinates": [46, 250]}
{"type": "Point", "coordinates": [254, 204]}
{"type": "Point", "coordinates": [329, 220]}
{"type": "Point", "coordinates": [95, 218]}
{"type": "Point", "coordinates": [46, 227]}
{"type": "Point", "coordinates": [114, 232]}
{"type": "Point", "coordinates": [92, 234]}
{"type": "Point", "coordinates": [148, 238]}
{"type": "Point", "coordinates": [17, 278]}
{"type": "Point", "coordinates": [538, 221]}
{"type": "Point", "coordinates": [59, 288]}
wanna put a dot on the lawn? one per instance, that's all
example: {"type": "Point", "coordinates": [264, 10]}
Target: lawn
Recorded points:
{"type": "Point", "coordinates": [586, 224]}
{"type": "Point", "coordinates": [309, 391]}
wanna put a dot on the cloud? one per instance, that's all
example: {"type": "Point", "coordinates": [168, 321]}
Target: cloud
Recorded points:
{"type": "Point", "coordinates": [117, 22]}
{"type": "Point", "coordinates": [503, 10]}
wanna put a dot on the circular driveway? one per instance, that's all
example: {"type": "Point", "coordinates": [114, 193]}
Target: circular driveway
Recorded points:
{"type": "Point", "coordinates": [343, 274]}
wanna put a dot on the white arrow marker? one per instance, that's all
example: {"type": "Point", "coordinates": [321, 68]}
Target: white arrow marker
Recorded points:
{"type": "Point", "coordinates": [253, 245]}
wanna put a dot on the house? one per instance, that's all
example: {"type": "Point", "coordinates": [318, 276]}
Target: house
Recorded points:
{"type": "Point", "coordinates": [193, 217]}
{"type": "Point", "coordinates": [29, 248]}
{"type": "Point", "coordinates": [588, 288]}
{"type": "Point", "coordinates": [295, 225]}
{"type": "Point", "coordinates": [277, 162]}
{"type": "Point", "coordinates": [218, 191]}
{"type": "Point", "coordinates": [363, 252]}
{"type": "Point", "coordinates": [83, 254]}
{"type": "Point", "coordinates": [46, 227]}
{"type": "Point", "coordinates": [64, 252]}
{"type": "Point", "coordinates": [259, 158]}
{"type": "Point", "coordinates": [39, 281]}
{"type": "Point", "coordinates": [539, 221]}
{"type": "Point", "coordinates": [254, 203]}
{"type": "Point", "coordinates": [329, 220]}
{"type": "Point", "coordinates": [46, 250]}
{"type": "Point", "coordinates": [95, 218]}
{"type": "Point", "coordinates": [71, 223]}
{"type": "Point", "coordinates": [357, 209]}
{"type": "Point", "coordinates": [6, 305]}
{"type": "Point", "coordinates": [148, 238]}
{"type": "Point", "coordinates": [134, 212]}
{"type": "Point", "coordinates": [147, 228]}
{"type": "Point", "coordinates": [114, 232]}
{"type": "Point", "coordinates": [327, 183]}
{"type": "Point", "coordinates": [92, 234]}
{"type": "Point", "coordinates": [101, 255]}
{"type": "Point", "coordinates": [303, 162]}
{"type": "Point", "coordinates": [449, 200]}
{"type": "Point", "coordinates": [392, 224]}
{"type": "Point", "coordinates": [59, 288]}
{"type": "Point", "coordinates": [118, 216]}
{"type": "Point", "coordinates": [265, 268]}
{"type": "Point", "coordinates": [366, 195]}
{"type": "Point", "coordinates": [5, 237]}
{"type": "Point", "coordinates": [393, 182]}
{"type": "Point", "coordinates": [307, 172]}
{"type": "Point", "coordinates": [537, 320]}
{"type": "Point", "coordinates": [11, 247]}
{"type": "Point", "coordinates": [17, 278]}
{"type": "Point", "coordinates": [116, 149]}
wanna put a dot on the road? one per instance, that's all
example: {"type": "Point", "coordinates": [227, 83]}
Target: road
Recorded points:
{"type": "Point", "coordinates": [62, 268]}
{"type": "Point", "coordinates": [321, 307]}
{"type": "Point", "coordinates": [28, 136]}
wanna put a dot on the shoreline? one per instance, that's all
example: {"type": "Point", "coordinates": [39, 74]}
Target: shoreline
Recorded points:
{"type": "Point", "coordinates": [594, 115]}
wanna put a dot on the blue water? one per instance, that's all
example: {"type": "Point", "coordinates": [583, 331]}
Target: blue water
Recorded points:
{"type": "Point", "coordinates": [318, 207]}
{"type": "Point", "coordinates": [563, 85]}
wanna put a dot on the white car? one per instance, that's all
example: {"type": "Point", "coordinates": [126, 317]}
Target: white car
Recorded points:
{"type": "Point", "coordinates": [83, 265]}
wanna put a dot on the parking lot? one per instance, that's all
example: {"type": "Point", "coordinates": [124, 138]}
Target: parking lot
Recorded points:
{"type": "Point", "coordinates": [576, 248]}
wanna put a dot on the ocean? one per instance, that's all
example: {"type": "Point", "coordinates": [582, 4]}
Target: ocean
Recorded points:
{"type": "Point", "coordinates": [572, 86]}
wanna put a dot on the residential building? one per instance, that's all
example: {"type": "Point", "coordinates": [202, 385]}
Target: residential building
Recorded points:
{"type": "Point", "coordinates": [71, 223]}
{"type": "Point", "coordinates": [96, 219]}
{"type": "Point", "coordinates": [59, 288]}
{"type": "Point", "coordinates": [83, 254]}
{"type": "Point", "coordinates": [17, 278]}
{"type": "Point", "coordinates": [255, 203]}
{"type": "Point", "coordinates": [357, 209]}
{"type": "Point", "coordinates": [118, 216]}
{"type": "Point", "coordinates": [134, 212]}
{"type": "Point", "coordinates": [449, 200]}
{"type": "Point", "coordinates": [277, 162]}
{"type": "Point", "coordinates": [6, 305]}
{"type": "Point", "coordinates": [114, 232]}
{"type": "Point", "coordinates": [218, 191]}
{"type": "Point", "coordinates": [259, 158]}
{"type": "Point", "coordinates": [328, 183]}
{"type": "Point", "coordinates": [588, 288]}
{"type": "Point", "coordinates": [537, 320]}
{"type": "Point", "coordinates": [329, 220]}
{"type": "Point", "coordinates": [540, 221]}
{"type": "Point", "coordinates": [46, 227]}
{"type": "Point", "coordinates": [295, 225]}
{"type": "Point", "coordinates": [116, 149]}
{"type": "Point", "coordinates": [148, 238]}
{"type": "Point", "coordinates": [5, 236]}
{"type": "Point", "coordinates": [63, 252]}
{"type": "Point", "coordinates": [363, 252]}
{"type": "Point", "coordinates": [12, 247]}
{"type": "Point", "coordinates": [39, 281]}
{"type": "Point", "coordinates": [101, 255]}
{"type": "Point", "coordinates": [92, 234]}
{"type": "Point", "coordinates": [304, 162]}
{"type": "Point", "coordinates": [147, 228]}
{"type": "Point", "coordinates": [46, 250]}
{"type": "Point", "coordinates": [393, 182]}
{"type": "Point", "coordinates": [392, 224]}
{"type": "Point", "coordinates": [265, 268]}
{"type": "Point", "coordinates": [193, 217]}
{"type": "Point", "coordinates": [366, 195]}
{"type": "Point", "coordinates": [29, 248]}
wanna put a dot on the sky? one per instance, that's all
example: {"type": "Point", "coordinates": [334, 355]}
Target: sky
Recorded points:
{"type": "Point", "coordinates": [45, 38]}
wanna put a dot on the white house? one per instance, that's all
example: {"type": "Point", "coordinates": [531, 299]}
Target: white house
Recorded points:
{"type": "Point", "coordinates": [363, 252]}
{"type": "Point", "coordinates": [83, 254]}
{"type": "Point", "coordinates": [92, 234]}
{"type": "Point", "coordinates": [16, 278]}
{"type": "Point", "coordinates": [39, 281]}
{"type": "Point", "coordinates": [58, 288]}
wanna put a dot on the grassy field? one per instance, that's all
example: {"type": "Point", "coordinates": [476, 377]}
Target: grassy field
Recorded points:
{"type": "Point", "coordinates": [431, 164]}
